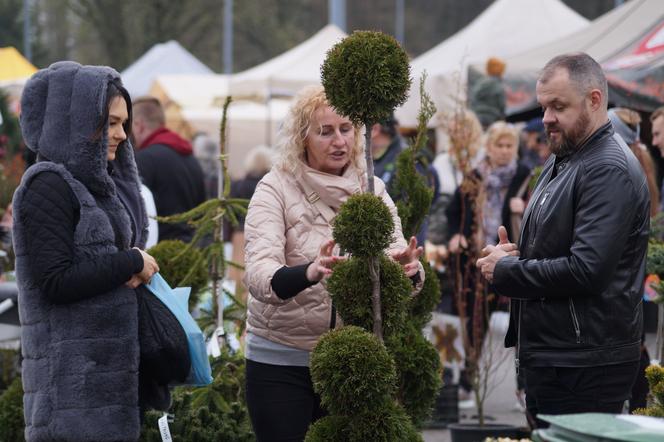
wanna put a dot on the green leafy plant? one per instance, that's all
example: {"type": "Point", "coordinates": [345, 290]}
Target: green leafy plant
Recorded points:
{"type": "Point", "coordinates": [363, 225]}
{"type": "Point", "coordinates": [655, 377]}
{"type": "Point", "coordinates": [366, 76]}
{"type": "Point", "coordinates": [11, 412]}
{"type": "Point", "coordinates": [350, 290]}
{"type": "Point", "coordinates": [351, 364]}
{"type": "Point", "coordinates": [213, 413]}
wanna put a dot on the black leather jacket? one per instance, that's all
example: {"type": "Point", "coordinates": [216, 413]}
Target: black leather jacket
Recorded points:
{"type": "Point", "coordinates": [577, 286]}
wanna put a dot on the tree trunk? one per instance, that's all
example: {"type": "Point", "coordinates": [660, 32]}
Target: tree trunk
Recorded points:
{"type": "Point", "coordinates": [374, 267]}
{"type": "Point", "coordinates": [374, 274]}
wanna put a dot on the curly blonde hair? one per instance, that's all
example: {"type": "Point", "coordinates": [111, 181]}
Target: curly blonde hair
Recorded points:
{"type": "Point", "coordinates": [501, 129]}
{"type": "Point", "coordinates": [291, 142]}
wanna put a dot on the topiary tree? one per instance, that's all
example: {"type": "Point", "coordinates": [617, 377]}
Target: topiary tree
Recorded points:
{"type": "Point", "coordinates": [355, 377]}
{"type": "Point", "coordinates": [365, 77]}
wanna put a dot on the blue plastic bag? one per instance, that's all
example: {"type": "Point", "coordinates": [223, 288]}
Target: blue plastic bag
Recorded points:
{"type": "Point", "coordinates": [177, 302]}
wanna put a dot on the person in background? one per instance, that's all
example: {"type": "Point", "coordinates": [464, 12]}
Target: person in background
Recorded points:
{"type": "Point", "coordinates": [576, 279]}
{"type": "Point", "coordinates": [289, 251]}
{"type": "Point", "coordinates": [461, 131]}
{"type": "Point", "coordinates": [503, 185]}
{"type": "Point", "coordinates": [487, 96]}
{"type": "Point", "coordinates": [167, 167]}
{"type": "Point", "coordinates": [79, 229]}
{"type": "Point", "coordinates": [206, 151]}
{"type": "Point", "coordinates": [534, 152]}
{"type": "Point", "coordinates": [627, 124]}
{"type": "Point", "coordinates": [657, 129]}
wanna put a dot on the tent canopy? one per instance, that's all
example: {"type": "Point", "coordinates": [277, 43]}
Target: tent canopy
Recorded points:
{"type": "Point", "coordinates": [13, 66]}
{"type": "Point", "coordinates": [505, 28]}
{"type": "Point", "coordinates": [287, 73]}
{"type": "Point", "coordinates": [629, 43]}
{"type": "Point", "coordinates": [193, 104]}
{"type": "Point", "coordinates": [162, 58]}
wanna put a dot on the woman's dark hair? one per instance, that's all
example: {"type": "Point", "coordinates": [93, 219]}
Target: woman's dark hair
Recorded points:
{"type": "Point", "coordinates": [115, 89]}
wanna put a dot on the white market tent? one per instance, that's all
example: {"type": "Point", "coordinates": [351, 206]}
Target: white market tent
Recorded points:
{"type": "Point", "coordinates": [612, 39]}
{"type": "Point", "coordinates": [505, 28]}
{"type": "Point", "coordinates": [161, 59]}
{"type": "Point", "coordinates": [193, 104]}
{"type": "Point", "coordinates": [287, 73]}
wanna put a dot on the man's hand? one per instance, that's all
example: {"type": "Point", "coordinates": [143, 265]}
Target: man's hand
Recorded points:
{"type": "Point", "coordinates": [322, 265]}
{"type": "Point", "coordinates": [409, 257]}
{"type": "Point", "coordinates": [492, 254]}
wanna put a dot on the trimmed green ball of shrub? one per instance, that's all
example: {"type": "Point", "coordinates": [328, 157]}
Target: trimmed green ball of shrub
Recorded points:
{"type": "Point", "coordinates": [188, 270]}
{"type": "Point", "coordinates": [352, 371]}
{"type": "Point", "coordinates": [364, 225]}
{"type": "Point", "coordinates": [423, 304]}
{"type": "Point", "coordinates": [419, 373]}
{"type": "Point", "coordinates": [350, 289]}
{"type": "Point", "coordinates": [366, 76]}
{"type": "Point", "coordinates": [329, 429]}
{"type": "Point", "coordinates": [388, 424]}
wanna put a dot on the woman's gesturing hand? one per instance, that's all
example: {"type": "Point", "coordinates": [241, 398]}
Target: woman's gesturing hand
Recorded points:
{"type": "Point", "coordinates": [322, 265]}
{"type": "Point", "coordinates": [150, 267]}
{"type": "Point", "coordinates": [409, 257]}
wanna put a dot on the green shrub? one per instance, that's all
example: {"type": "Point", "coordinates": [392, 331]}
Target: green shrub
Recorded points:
{"type": "Point", "coordinates": [366, 76]}
{"type": "Point", "coordinates": [388, 424]}
{"type": "Point", "coordinates": [181, 270]}
{"type": "Point", "coordinates": [352, 372]}
{"type": "Point", "coordinates": [421, 306]}
{"type": "Point", "coordinates": [655, 377]}
{"type": "Point", "coordinates": [419, 373]}
{"type": "Point", "coordinates": [216, 412]}
{"type": "Point", "coordinates": [329, 429]}
{"type": "Point", "coordinates": [12, 424]}
{"type": "Point", "coordinates": [363, 225]}
{"type": "Point", "coordinates": [350, 290]}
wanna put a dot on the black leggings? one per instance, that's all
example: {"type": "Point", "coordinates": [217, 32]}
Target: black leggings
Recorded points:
{"type": "Point", "coordinates": [281, 401]}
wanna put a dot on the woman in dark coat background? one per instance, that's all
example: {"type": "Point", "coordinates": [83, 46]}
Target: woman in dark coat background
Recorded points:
{"type": "Point", "coordinates": [79, 226]}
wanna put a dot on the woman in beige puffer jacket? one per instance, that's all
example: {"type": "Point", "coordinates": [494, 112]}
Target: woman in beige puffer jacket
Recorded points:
{"type": "Point", "coordinates": [288, 252]}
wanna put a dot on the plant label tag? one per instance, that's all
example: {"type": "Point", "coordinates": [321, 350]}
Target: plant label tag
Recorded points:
{"type": "Point", "coordinates": [163, 429]}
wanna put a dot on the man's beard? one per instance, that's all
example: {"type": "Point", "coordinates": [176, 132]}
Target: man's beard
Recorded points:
{"type": "Point", "coordinates": [569, 141]}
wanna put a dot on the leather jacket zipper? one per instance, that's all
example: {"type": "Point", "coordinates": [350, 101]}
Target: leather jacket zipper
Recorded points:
{"type": "Point", "coordinates": [537, 215]}
{"type": "Point", "coordinates": [518, 338]}
{"type": "Point", "coordinates": [575, 321]}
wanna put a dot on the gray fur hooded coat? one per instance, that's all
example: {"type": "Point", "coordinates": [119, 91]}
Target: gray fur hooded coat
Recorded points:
{"type": "Point", "coordinates": [80, 367]}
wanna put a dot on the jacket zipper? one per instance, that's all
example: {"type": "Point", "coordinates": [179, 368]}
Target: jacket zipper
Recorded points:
{"type": "Point", "coordinates": [537, 215]}
{"type": "Point", "coordinates": [575, 321]}
{"type": "Point", "coordinates": [518, 337]}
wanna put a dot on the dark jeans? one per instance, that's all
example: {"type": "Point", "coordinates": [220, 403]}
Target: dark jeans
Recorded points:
{"type": "Point", "coordinates": [565, 390]}
{"type": "Point", "coordinates": [281, 401]}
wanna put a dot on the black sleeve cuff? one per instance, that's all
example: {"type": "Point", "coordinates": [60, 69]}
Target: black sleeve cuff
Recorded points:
{"type": "Point", "coordinates": [136, 260]}
{"type": "Point", "coordinates": [289, 281]}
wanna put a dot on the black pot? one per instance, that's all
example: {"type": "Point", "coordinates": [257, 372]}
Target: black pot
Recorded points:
{"type": "Point", "coordinates": [446, 409]}
{"type": "Point", "coordinates": [473, 432]}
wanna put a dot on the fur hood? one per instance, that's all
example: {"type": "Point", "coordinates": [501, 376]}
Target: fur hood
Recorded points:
{"type": "Point", "coordinates": [73, 96]}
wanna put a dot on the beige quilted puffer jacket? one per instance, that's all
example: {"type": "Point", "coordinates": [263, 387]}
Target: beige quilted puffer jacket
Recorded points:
{"type": "Point", "coordinates": [283, 228]}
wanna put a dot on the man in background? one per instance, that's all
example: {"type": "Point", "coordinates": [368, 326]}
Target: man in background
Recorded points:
{"type": "Point", "coordinates": [167, 167]}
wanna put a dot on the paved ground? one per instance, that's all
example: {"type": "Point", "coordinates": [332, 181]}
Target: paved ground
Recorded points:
{"type": "Point", "coordinates": [502, 399]}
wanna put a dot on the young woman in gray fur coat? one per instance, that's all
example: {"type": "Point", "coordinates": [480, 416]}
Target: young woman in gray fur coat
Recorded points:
{"type": "Point", "coordinates": [79, 227]}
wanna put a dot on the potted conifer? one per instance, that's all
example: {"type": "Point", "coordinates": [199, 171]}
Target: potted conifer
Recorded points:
{"type": "Point", "coordinates": [380, 386]}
